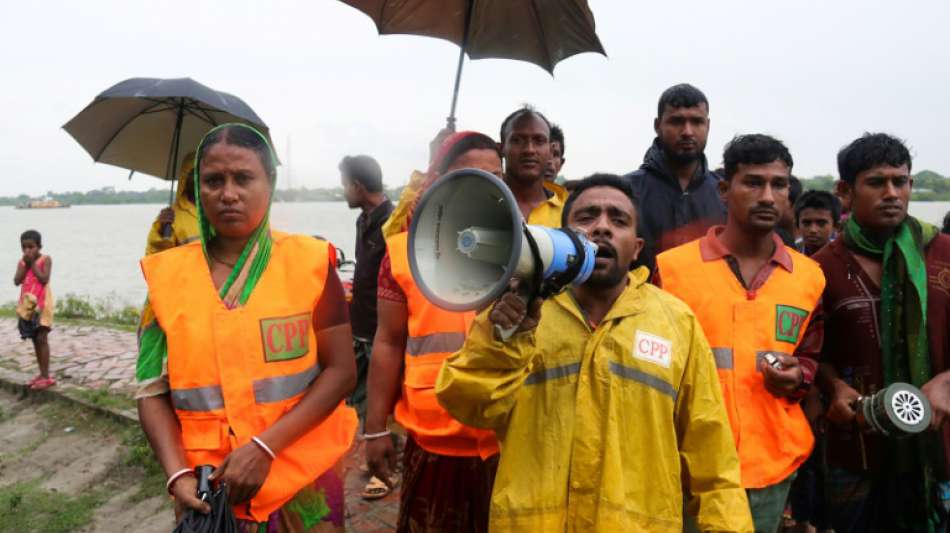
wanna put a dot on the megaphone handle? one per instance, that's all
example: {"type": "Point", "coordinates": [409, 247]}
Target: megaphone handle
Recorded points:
{"type": "Point", "coordinates": [504, 334]}
{"type": "Point", "coordinates": [527, 295]}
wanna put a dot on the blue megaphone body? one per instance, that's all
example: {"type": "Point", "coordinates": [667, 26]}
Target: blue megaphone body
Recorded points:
{"type": "Point", "coordinates": [467, 240]}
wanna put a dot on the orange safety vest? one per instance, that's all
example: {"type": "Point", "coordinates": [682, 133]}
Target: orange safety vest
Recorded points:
{"type": "Point", "coordinates": [772, 436]}
{"type": "Point", "coordinates": [233, 373]}
{"type": "Point", "coordinates": [434, 334]}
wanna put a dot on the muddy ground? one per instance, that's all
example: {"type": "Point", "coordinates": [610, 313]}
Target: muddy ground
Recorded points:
{"type": "Point", "coordinates": [65, 469]}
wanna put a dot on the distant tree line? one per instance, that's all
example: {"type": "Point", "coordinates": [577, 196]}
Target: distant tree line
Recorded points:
{"type": "Point", "coordinates": [928, 187]}
{"type": "Point", "coordinates": [110, 196]}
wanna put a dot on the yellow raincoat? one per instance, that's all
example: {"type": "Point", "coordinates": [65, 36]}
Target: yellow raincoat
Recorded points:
{"type": "Point", "coordinates": [185, 228]}
{"type": "Point", "coordinates": [604, 429]}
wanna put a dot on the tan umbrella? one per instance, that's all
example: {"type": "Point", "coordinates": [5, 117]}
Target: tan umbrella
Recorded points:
{"type": "Point", "coordinates": [540, 32]}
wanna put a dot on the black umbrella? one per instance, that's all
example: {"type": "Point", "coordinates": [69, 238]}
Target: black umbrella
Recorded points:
{"type": "Point", "coordinates": [148, 124]}
{"type": "Point", "coordinates": [542, 33]}
{"type": "Point", "coordinates": [220, 519]}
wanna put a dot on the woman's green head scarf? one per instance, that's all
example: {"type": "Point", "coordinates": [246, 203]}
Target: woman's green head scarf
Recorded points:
{"type": "Point", "coordinates": [256, 254]}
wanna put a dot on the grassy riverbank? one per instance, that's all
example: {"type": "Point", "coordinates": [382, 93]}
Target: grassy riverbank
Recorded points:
{"type": "Point", "coordinates": [82, 311]}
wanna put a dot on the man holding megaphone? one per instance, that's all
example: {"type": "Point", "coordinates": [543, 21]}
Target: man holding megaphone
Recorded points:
{"type": "Point", "coordinates": [448, 468]}
{"type": "Point", "coordinates": [605, 399]}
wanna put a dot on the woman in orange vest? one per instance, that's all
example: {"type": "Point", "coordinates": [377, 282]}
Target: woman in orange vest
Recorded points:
{"type": "Point", "coordinates": [448, 468]}
{"type": "Point", "coordinates": [246, 353]}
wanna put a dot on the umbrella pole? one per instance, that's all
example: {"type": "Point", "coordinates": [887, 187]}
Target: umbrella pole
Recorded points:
{"type": "Point", "coordinates": [450, 121]}
{"type": "Point", "coordinates": [173, 165]}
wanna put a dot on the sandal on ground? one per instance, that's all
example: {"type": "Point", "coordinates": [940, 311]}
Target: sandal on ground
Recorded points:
{"type": "Point", "coordinates": [43, 383]}
{"type": "Point", "coordinates": [34, 380]}
{"type": "Point", "coordinates": [375, 489]}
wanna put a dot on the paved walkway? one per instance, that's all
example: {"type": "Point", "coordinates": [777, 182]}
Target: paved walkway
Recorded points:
{"type": "Point", "coordinates": [100, 358]}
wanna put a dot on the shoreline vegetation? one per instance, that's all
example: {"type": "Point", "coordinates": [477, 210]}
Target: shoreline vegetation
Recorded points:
{"type": "Point", "coordinates": [929, 186]}
{"type": "Point", "coordinates": [110, 196]}
{"type": "Point", "coordinates": [76, 310]}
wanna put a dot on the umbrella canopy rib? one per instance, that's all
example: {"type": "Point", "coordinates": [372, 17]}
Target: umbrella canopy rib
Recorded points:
{"type": "Point", "coordinates": [543, 38]}
{"type": "Point", "coordinates": [119, 130]}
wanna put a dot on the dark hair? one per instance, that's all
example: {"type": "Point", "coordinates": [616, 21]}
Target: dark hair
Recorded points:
{"type": "Point", "coordinates": [364, 170]}
{"type": "Point", "coordinates": [32, 235]}
{"type": "Point", "coordinates": [819, 200]}
{"type": "Point", "coordinates": [868, 151]}
{"type": "Point", "coordinates": [946, 223]}
{"type": "Point", "coordinates": [518, 113]}
{"type": "Point", "coordinates": [753, 149]}
{"type": "Point", "coordinates": [475, 141]}
{"type": "Point", "coordinates": [557, 135]}
{"type": "Point", "coordinates": [794, 189]}
{"type": "Point", "coordinates": [245, 137]}
{"type": "Point", "coordinates": [682, 95]}
{"type": "Point", "coordinates": [599, 180]}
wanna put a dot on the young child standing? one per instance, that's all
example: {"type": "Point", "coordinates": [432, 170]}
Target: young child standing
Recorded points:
{"type": "Point", "coordinates": [35, 308]}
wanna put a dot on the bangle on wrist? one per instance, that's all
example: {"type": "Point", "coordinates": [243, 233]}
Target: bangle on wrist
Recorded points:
{"type": "Point", "coordinates": [176, 476]}
{"type": "Point", "coordinates": [266, 448]}
{"type": "Point", "coordinates": [371, 436]}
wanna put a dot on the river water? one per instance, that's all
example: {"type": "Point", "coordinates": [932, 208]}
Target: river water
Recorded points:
{"type": "Point", "coordinates": [96, 248]}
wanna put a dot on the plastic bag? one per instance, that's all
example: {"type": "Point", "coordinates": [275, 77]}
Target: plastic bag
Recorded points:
{"type": "Point", "coordinates": [219, 520]}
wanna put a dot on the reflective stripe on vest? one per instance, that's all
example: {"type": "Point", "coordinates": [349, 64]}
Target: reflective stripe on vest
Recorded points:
{"type": "Point", "coordinates": [266, 390]}
{"type": "Point", "coordinates": [198, 398]}
{"type": "Point", "coordinates": [724, 358]}
{"type": "Point", "coordinates": [281, 388]}
{"type": "Point", "coordinates": [644, 379]}
{"type": "Point", "coordinates": [435, 343]}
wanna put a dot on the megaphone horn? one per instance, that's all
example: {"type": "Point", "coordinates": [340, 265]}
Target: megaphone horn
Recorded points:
{"type": "Point", "coordinates": [467, 240]}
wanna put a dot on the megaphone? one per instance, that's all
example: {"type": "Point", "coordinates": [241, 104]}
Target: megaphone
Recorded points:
{"type": "Point", "coordinates": [467, 240]}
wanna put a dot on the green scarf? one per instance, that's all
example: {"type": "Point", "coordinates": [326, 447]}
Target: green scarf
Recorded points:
{"type": "Point", "coordinates": [904, 346]}
{"type": "Point", "coordinates": [256, 254]}
{"type": "Point", "coordinates": [151, 366]}
{"type": "Point", "coordinates": [905, 349]}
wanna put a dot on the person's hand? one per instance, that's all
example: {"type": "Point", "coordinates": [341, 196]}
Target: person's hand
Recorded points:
{"type": "Point", "coordinates": [785, 381]}
{"type": "Point", "coordinates": [243, 471]}
{"type": "Point", "coordinates": [436, 142]}
{"type": "Point", "coordinates": [840, 410]}
{"type": "Point", "coordinates": [937, 390]}
{"type": "Point", "coordinates": [511, 310]}
{"type": "Point", "coordinates": [167, 216]}
{"type": "Point", "coordinates": [381, 459]}
{"type": "Point", "coordinates": [185, 492]}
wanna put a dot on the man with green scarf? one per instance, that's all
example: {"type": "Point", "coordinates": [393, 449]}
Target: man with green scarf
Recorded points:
{"type": "Point", "coordinates": [885, 312]}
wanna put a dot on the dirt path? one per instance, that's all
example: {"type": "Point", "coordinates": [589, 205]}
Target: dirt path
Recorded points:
{"type": "Point", "coordinates": [63, 470]}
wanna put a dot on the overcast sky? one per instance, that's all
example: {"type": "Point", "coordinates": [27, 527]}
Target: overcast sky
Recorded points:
{"type": "Point", "coordinates": [813, 73]}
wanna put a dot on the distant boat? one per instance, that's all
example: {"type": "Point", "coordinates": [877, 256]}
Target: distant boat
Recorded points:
{"type": "Point", "coordinates": [45, 203]}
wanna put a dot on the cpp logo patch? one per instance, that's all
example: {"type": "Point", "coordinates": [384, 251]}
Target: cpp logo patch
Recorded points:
{"type": "Point", "coordinates": [788, 323]}
{"type": "Point", "coordinates": [653, 349]}
{"type": "Point", "coordinates": [285, 338]}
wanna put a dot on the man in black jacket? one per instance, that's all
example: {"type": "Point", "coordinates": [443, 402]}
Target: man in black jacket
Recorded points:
{"type": "Point", "coordinates": [677, 191]}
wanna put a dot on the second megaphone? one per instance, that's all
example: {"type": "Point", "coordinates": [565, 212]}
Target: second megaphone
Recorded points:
{"type": "Point", "coordinates": [468, 239]}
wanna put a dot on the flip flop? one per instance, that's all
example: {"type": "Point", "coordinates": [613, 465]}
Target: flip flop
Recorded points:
{"type": "Point", "coordinates": [43, 383]}
{"type": "Point", "coordinates": [34, 380]}
{"type": "Point", "coordinates": [376, 489]}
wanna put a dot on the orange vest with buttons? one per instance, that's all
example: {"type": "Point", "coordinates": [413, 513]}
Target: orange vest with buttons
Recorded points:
{"type": "Point", "coordinates": [772, 436]}
{"type": "Point", "coordinates": [433, 335]}
{"type": "Point", "coordinates": [234, 373]}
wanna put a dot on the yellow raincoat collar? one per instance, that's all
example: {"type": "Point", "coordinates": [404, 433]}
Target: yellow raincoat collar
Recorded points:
{"type": "Point", "coordinates": [628, 303]}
